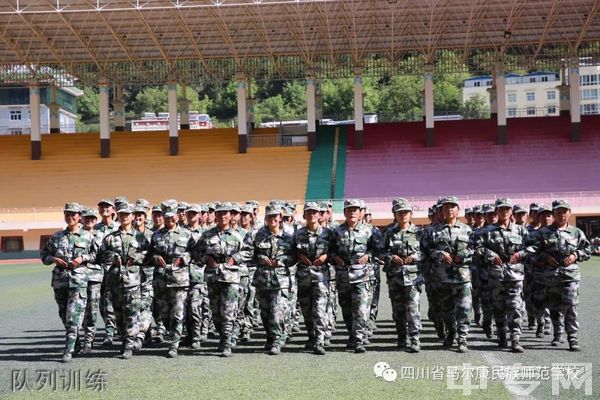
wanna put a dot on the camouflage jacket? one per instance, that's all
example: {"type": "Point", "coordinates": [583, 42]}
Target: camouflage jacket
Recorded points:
{"type": "Point", "coordinates": [351, 244]}
{"type": "Point", "coordinates": [496, 241]}
{"type": "Point", "coordinates": [131, 247]}
{"type": "Point", "coordinates": [171, 245]}
{"type": "Point", "coordinates": [454, 240]}
{"type": "Point", "coordinates": [96, 271]}
{"type": "Point", "coordinates": [313, 245]}
{"type": "Point", "coordinates": [262, 245]}
{"type": "Point", "coordinates": [560, 244]}
{"type": "Point", "coordinates": [221, 246]}
{"type": "Point", "coordinates": [106, 229]}
{"type": "Point", "coordinates": [402, 243]}
{"type": "Point", "coordinates": [196, 268]}
{"type": "Point", "coordinates": [68, 246]}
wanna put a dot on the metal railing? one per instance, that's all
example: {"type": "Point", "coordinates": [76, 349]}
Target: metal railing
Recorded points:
{"type": "Point", "coordinates": [277, 140]}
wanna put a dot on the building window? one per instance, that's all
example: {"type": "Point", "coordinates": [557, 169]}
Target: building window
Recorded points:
{"type": "Point", "coordinates": [512, 97]}
{"type": "Point", "coordinates": [544, 79]}
{"type": "Point", "coordinates": [488, 83]}
{"type": "Point", "coordinates": [588, 109]}
{"type": "Point", "coordinates": [15, 115]}
{"type": "Point", "coordinates": [551, 95]}
{"type": "Point", "coordinates": [589, 94]}
{"type": "Point", "coordinates": [16, 132]}
{"type": "Point", "coordinates": [477, 84]}
{"type": "Point", "coordinates": [532, 80]}
{"type": "Point", "coordinates": [530, 111]}
{"type": "Point", "coordinates": [11, 244]}
{"type": "Point", "coordinates": [511, 112]}
{"type": "Point", "coordinates": [589, 80]}
{"type": "Point", "coordinates": [44, 240]}
{"type": "Point", "coordinates": [530, 96]}
{"type": "Point", "coordinates": [551, 110]}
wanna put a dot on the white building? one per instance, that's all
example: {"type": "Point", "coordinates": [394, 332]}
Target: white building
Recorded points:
{"type": "Point", "coordinates": [15, 116]}
{"type": "Point", "coordinates": [536, 94]}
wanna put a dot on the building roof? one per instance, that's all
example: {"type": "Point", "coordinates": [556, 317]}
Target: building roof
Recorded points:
{"type": "Point", "coordinates": [141, 41]}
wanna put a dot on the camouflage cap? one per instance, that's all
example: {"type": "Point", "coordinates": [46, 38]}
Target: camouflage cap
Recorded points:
{"type": "Point", "coordinates": [450, 200]}
{"type": "Point", "coordinates": [349, 203]}
{"type": "Point", "coordinates": [286, 212]}
{"type": "Point", "coordinates": [363, 205]}
{"type": "Point", "coordinates": [236, 207]}
{"type": "Point", "coordinates": [517, 209]}
{"type": "Point", "coordinates": [398, 200]}
{"type": "Point", "coordinates": [477, 210]}
{"type": "Point", "coordinates": [157, 208]}
{"type": "Point", "coordinates": [124, 208]}
{"type": "Point", "coordinates": [403, 205]}
{"type": "Point", "coordinates": [140, 209]}
{"type": "Point", "coordinates": [253, 203]}
{"type": "Point", "coordinates": [183, 205]}
{"type": "Point", "coordinates": [194, 208]}
{"type": "Point", "coordinates": [121, 199]}
{"type": "Point", "coordinates": [88, 212]}
{"type": "Point", "coordinates": [503, 202]}
{"type": "Point", "coordinates": [534, 207]}
{"type": "Point", "coordinates": [247, 208]}
{"type": "Point", "coordinates": [368, 210]}
{"type": "Point", "coordinates": [211, 206]}
{"type": "Point", "coordinates": [543, 208]}
{"type": "Point", "coordinates": [556, 204]}
{"type": "Point", "coordinates": [142, 203]}
{"type": "Point", "coordinates": [311, 205]}
{"type": "Point", "coordinates": [488, 208]}
{"type": "Point", "coordinates": [468, 210]}
{"type": "Point", "coordinates": [324, 206]}
{"type": "Point", "coordinates": [106, 201]}
{"type": "Point", "coordinates": [223, 206]}
{"type": "Point", "coordinates": [169, 202]}
{"type": "Point", "coordinates": [430, 211]}
{"type": "Point", "coordinates": [329, 204]}
{"type": "Point", "coordinates": [291, 205]}
{"type": "Point", "coordinates": [272, 210]}
{"type": "Point", "coordinates": [277, 203]}
{"type": "Point", "coordinates": [203, 207]}
{"type": "Point", "coordinates": [169, 210]}
{"type": "Point", "coordinates": [73, 207]}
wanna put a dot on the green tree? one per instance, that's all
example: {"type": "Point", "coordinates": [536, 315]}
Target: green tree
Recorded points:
{"type": "Point", "coordinates": [476, 107]}
{"type": "Point", "coordinates": [401, 99]}
{"type": "Point", "coordinates": [88, 106]}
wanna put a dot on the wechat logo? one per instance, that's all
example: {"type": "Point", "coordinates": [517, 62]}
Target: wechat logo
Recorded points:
{"type": "Point", "coordinates": [383, 370]}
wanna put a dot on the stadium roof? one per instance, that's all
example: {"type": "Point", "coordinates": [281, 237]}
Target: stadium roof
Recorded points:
{"type": "Point", "coordinates": [143, 41]}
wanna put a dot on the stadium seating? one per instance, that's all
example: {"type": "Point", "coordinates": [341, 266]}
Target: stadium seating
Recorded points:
{"type": "Point", "coordinates": [207, 168]}
{"type": "Point", "coordinates": [539, 157]}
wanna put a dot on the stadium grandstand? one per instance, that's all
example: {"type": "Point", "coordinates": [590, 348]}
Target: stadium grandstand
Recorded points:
{"type": "Point", "coordinates": [111, 44]}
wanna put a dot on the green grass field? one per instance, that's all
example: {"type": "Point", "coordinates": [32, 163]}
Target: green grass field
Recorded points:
{"type": "Point", "coordinates": [31, 342]}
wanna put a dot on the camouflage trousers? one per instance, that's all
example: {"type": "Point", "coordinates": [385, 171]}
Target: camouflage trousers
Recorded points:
{"type": "Point", "coordinates": [196, 313]}
{"type": "Point", "coordinates": [331, 304]}
{"type": "Point", "coordinates": [251, 309]}
{"type": "Point", "coordinates": [374, 294]}
{"type": "Point", "coordinates": [145, 314]}
{"type": "Point", "coordinates": [354, 301]}
{"type": "Point", "coordinates": [91, 311]}
{"type": "Point", "coordinates": [71, 309]}
{"type": "Point", "coordinates": [313, 298]}
{"type": "Point", "coordinates": [106, 308]}
{"type": "Point", "coordinates": [528, 284]}
{"type": "Point", "coordinates": [127, 303]}
{"type": "Point", "coordinates": [405, 309]}
{"type": "Point", "coordinates": [172, 307]}
{"type": "Point", "coordinates": [485, 295]}
{"type": "Point", "coordinates": [562, 300]}
{"type": "Point", "coordinates": [507, 303]}
{"type": "Point", "coordinates": [290, 312]}
{"type": "Point", "coordinates": [159, 293]}
{"type": "Point", "coordinates": [433, 290]}
{"type": "Point", "coordinates": [476, 290]}
{"type": "Point", "coordinates": [455, 299]}
{"type": "Point", "coordinates": [273, 306]}
{"type": "Point", "coordinates": [240, 324]}
{"type": "Point", "coordinates": [543, 315]}
{"type": "Point", "coordinates": [224, 299]}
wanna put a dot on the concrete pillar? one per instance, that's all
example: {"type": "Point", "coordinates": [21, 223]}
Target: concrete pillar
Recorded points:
{"type": "Point", "coordinates": [184, 108]}
{"type": "Point", "coordinates": [359, 135]}
{"type": "Point", "coordinates": [564, 92]}
{"type": "Point", "coordinates": [119, 109]}
{"type": "Point", "coordinates": [54, 112]}
{"type": "Point", "coordinates": [493, 100]}
{"type": "Point", "coordinates": [36, 129]}
{"type": "Point", "coordinates": [104, 88]}
{"type": "Point", "coordinates": [428, 105]}
{"type": "Point", "coordinates": [311, 112]}
{"type": "Point", "coordinates": [173, 128]}
{"type": "Point", "coordinates": [242, 111]}
{"type": "Point", "coordinates": [574, 101]}
{"type": "Point", "coordinates": [250, 103]}
{"type": "Point", "coordinates": [501, 102]}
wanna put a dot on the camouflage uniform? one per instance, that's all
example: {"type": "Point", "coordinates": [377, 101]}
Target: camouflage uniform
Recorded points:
{"type": "Point", "coordinates": [123, 254]}
{"type": "Point", "coordinates": [313, 281]}
{"type": "Point", "coordinates": [403, 280]}
{"type": "Point", "coordinates": [106, 307]}
{"type": "Point", "coordinates": [562, 282]}
{"type": "Point", "coordinates": [94, 289]}
{"type": "Point", "coordinates": [147, 291]}
{"type": "Point", "coordinates": [506, 281]}
{"type": "Point", "coordinates": [454, 278]}
{"type": "Point", "coordinates": [272, 284]}
{"type": "Point", "coordinates": [196, 313]}
{"type": "Point", "coordinates": [70, 284]}
{"type": "Point", "coordinates": [224, 280]}
{"type": "Point", "coordinates": [172, 245]}
{"type": "Point", "coordinates": [352, 279]}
